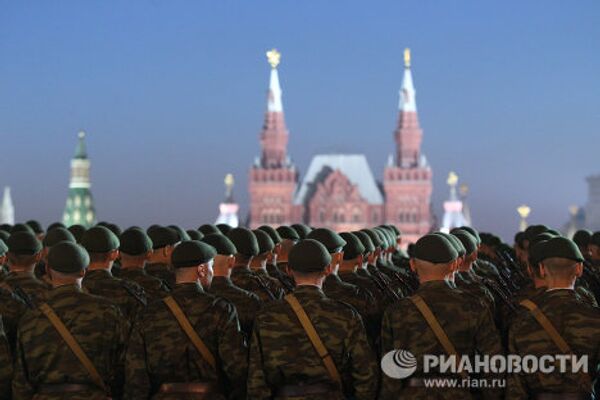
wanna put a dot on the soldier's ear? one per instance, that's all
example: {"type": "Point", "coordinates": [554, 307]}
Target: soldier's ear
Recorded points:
{"type": "Point", "coordinates": [542, 270]}
{"type": "Point", "coordinates": [579, 269]}
{"type": "Point", "coordinates": [360, 259]}
{"type": "Point", "coordinates": [230, 262]}
{"type": "Point", "coordinates": [413, 266]}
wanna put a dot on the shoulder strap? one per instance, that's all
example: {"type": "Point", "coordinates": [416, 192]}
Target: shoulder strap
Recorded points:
{"type": "Point", "coordinates": [540, 317]}
{"type": "Point", "coordinates": [314, 338]}
{"type": "Point", "coordinates": [185, 324]}
{"type": "Point", "coordinates": [437, 329]}
{"type": "Point", "coordinates": [73, 345]}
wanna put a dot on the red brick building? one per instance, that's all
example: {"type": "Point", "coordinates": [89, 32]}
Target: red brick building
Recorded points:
{"type": "Point", "coordinates": [339, 191]}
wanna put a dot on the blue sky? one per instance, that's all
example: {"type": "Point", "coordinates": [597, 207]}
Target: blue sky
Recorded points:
{"type": "Point", "coordinates": [172, 95]}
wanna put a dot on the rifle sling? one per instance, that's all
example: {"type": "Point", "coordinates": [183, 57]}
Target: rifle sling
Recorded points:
{"type": "Point", "coordinates": [186, 326]}
{"type": "Point", "coordinates": [437, 329]}
{"type": "Point", "coordinates": [314, 338]}
{"type": "Point", "coordinates": [73, 345]}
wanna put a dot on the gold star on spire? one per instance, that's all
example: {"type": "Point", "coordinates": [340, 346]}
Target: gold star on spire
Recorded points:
{"type": "Point", "coordinates": [273, 57]}
{"type": "Point", "coordinates": [452, 179]}
{"type": "Point", "coordinates": [407, 57]}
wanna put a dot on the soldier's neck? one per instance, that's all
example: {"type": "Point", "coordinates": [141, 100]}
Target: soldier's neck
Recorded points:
{"type": "Point", "coordinates": [99, 266]}
{"type": "Point", "coordinates": [22, 269]}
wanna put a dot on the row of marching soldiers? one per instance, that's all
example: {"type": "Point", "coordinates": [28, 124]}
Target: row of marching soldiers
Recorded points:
{"type": "Point", "coordinates": [291, 312]}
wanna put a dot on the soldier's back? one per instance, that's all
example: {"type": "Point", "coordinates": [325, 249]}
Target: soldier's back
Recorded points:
{"type": "Point", "coordinates": [154, 287]}
{"type": "Point", "coordinates": [163, 272]}
{"type": "Point", "coordinates": [45, 363]}
{"type": "Point", "coordinates": [12, 309]}
{"type": "Point", "coordinates": [246, 303]}
{"type": "Point", "coordinates": [25, 284]}
{"type": "Point", "coordinates": [160, 352]}
{"type": "Point", "coordinates": [281, 354]}
{"type": "Point", "coordinates": [578, 324]}
{"type": "Point", "coordinates": [246, 279]}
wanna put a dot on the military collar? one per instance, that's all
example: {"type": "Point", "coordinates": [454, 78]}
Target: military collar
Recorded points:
{"type": "Point", "coordinates": [436, 285]}
{"type": "Point", "coordinates": [132, 271]}
{"type": "Point", "coordinates": [99, 273]}
{"type": "Point", "coordinates": [333, 278]}
{"type": "Point", "coordinates": [309, 290]}
{"type": "Point", "coordinates": [64, 289]}
{"type": "Point", "coordinates": [222, 280]}
{"type": "Point", "coordinates": [20, 275]}
{"type": "Point", "coordinates": [187, 287]}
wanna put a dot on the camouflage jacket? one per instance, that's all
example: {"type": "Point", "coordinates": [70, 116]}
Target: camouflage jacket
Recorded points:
{"type": "Point", "coordinates": [160, 352]}
{"type": "Point", "coordinates": [281, 353]}
{"type": "Point", "coordinates": [162, 271]}
{"type": "Point", "coordinates": [6, 366]}
{"type": "Point", "coordinates": [129, 296]}
{"type": "Point", "coordinates": [469, 327]}
{"type": "Point", "coordinates": [391, 292]}
{"type": "Point", "coordinates": [246, 303]}
{"type": "Point", "coordinates": [366, 283]}
{"type": "Point", "coordinates": [154, 287]}
{"type": "Point", "coordinates": [43, 358]}
{"type": "Point", "coordinates": [246, 279]}
{"type": "Point", "coordinates": [27, 287]}
{"type": "Point", "coordinates": [272, 283]}
{"type": "Point", "coordinates": [278, 272]}
{"type": "Point", "coordinates": [12, 309]}
{"type": "Point", "coordinates": [578, 324]}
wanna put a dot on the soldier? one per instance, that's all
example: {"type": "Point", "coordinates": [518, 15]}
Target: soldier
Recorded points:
{"type": "Point", "coordinates": [258, 265]}
{"type": "Point", "coordinates": [72, 347]}
{"type": "Point", "coordinates": [273, 259]}
{"type": "Point", "coordinates": [407, 324]}
{"type": "Point", "coordinates": [289, 238]}
{"type": "Point", "coordinates": [188, 345]}
{"type": "Point", "coordinates": [135, 250]}
{"type": "Point", "coordinates": [207, 229]}
{"type": "Point", "coordinates": [247, 304]}
{"type": "Point", "coordinates": [3, 250]}
{"type": "Point", "coordinates": [381, 271]}
{"type": "Point", "coordinates": [194, 234]}
{"type": "Point", "coordinates": [164, 241]}
{"type": "Point", "coordinates": [224, 228]}
{"type": "Point", "coordinates": [582, 239]}
{"type": "Point", "coordinates": [6, 366]}
{"type": "Point", "coordinates": [103, 248]}
{"type": "Point", "coordinates": [556, 322]}
{"type": "Point", "coordinates": [310, 346]}
{"type": "Point", "coordinates": [24, 252]}
{"type": "Point", "coordinates": [77, 231]}
{"type": "Point", "coordinates": [302, 230]}
{"type": "Point", "coordinates": [247, 248]}
{"type": "Point", "coordinates": [53, 237]}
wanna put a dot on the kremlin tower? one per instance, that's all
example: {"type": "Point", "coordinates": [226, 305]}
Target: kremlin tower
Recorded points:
{"type": "Point", "coordinates": [407, 178]}
{"type": "Point", "coordinates": [80, 204]}
{"type": "Point", "coordinates": [454, 211]}
{"type": "Point", "coordinates": [228, 210]}
{"type": "Point", "coordinates": [7, 209]}
{"type": "Point", "coordinates": [273, 178]}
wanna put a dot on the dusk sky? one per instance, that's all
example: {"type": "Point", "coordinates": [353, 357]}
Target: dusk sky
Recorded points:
{"type": "Point", "coordinates": [172, 96]}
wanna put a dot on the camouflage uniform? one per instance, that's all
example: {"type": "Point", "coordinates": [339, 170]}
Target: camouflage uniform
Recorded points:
{"type": "Point", "coordinates": [11, 310]}
{"type": "Point", "coordinates": [6, 366]}
{"type": "Point", "coordinates": [43, 358]}
{"type": "Point", "coordinates": [246, 303]}
{"type": "Point", "coordinates": [278, 272]}
{"type": "Point", "coordinates": [272, 283]}
{"type": "Point", "coordinates": [34, 291]}
{"type": "Point", "coordinates": [160, 352]}
{"type": "Point", "coordinates": [281, 353]}
{"type": "Point", "coordinates": [154, 288]}
{"type": "Point", "coordinates": [246, 279]}
{"type": "Point", "coordinates": [469, 327]}
{"type": "Point", "coordinates": [577, 323]}
{"type": "Point", "coordinates": [129, 296]}
{"type": "Point", "coordinates": [162, 271]}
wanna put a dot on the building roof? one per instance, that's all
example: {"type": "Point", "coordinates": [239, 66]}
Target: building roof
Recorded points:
{"type": "Point", "coordinates": [354, 166]}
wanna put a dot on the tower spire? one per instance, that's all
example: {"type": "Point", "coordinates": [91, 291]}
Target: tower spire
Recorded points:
{"type": "Point", "coordinates": [228, 210]}
{"type": "Point", "coordinates": [79, 208]}
{"type": "Point", "coordinates": [7, 209]}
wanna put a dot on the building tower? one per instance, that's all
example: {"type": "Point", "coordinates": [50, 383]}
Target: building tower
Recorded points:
{"type": "Point", "coordinates": [7, 209]}
{"type": "Point", "coordinates": [273, 178]}
{"type": "Point", "coordinates": [80, 204]}
{"type": "Point", "coordinates": [453, 207]}
{"type": "Point", "coordinates": [407, 178]}
{"type": "Point", "coordinates": [228, 210]}
{"type": "Point", "coordinates": [463, 191]}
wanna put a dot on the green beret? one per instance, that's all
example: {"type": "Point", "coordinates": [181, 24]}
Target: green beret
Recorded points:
{"type": "Point", "coordinates": [3, 248]}
{"type": "Point", "coordinates": [55, 225]}
{"type": "Point", "coordinates": [435, 249]}
{"type": "Point", "coordinates": [5, 227]}
{"type": "Point", "coordinates": [375, 238]}
{"type": "Point", "coordinates": [265, 244]}
{"type": "Point", "coordinates": [224, 228]}
{"type": "Point", "coordinates": [309, 255]}
{"type": "Point", "coordinates": [473, 232]}
{"type": "Point", "coordinates": [192, 253]}
{"type": "Point", "coordinates": [288, 233]}
{"type": "Point", "coordinates": [542, 237]}
{"type": "Point", "coordinates": [57, 235]}
{"type": "Point", "coordinates": [100, 239]}
{"type": "Point", "coordinates": [302, 230]}
{"type": "Point", "coordinates": [366, 241]}
{"type": "Point", "coordinates": [207, 229]}
{"type": "Point", "coordinates": [180, 232]}
{"type": "Point", "coordinates": [560, 247]}
{"type": "Point", "coordinates": [77, 231]}
{"type": "Point", "coordinates": [468, 241]}
{"type": "Point", "coordinates": [272, 232]}
{"type": "Point", "coordinates": [553, 232]}
{"type": "Point", "coordinates": [21, 228]}
{"type": "Point", "coordinates": [68, 257]}
{"type": "Point", "coordinates": [582, 237]}
{"type": "Point", "coordinates": [162, 236]}
{"type": "Point", "coordinates": [534, 230]}
{"type": "Point", "coordinates": [4, 235]}
{"type": "Point", "coordinates": [386, 236]}
{"type": "Point", "coordinates": [244, 240]}
{"type": "Point", "coordinates": [330, 239]}
{"type": "Point", "coordinates": [24, 243]}
{"type": "Point", "coordinates": [221, 243]}
{"type": "Point", "coordinates": [395, 229]}
{"type": "Point", "coordinates": [114, 228]}
{"type": "Point", "coordinates": [535, 252]}
{"type": "Point", "coordinates": [194, 234]}
{"type": "Point", "coordinates": [35, 225]}
{"type": "Point", "coordinates": [135, 242]}
{"type": "Point", "coordinates": [353, 247]}
{"type": "Point", "coordinates": [455, 242]}
{"type": "Point", "coordinates": [595, 239]}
